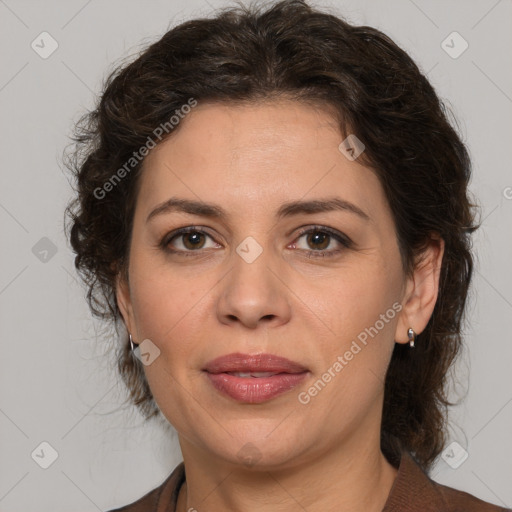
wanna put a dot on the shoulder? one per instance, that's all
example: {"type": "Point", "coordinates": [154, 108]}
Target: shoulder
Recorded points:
{"type": "Point", "coordinates": [414, 491]}
{"type": "Point", "coordinates": [458, 501]}
{"type": "Point", "coordinates": [164, 495]}
{"type": "Point", "coordinates": [147, 503]}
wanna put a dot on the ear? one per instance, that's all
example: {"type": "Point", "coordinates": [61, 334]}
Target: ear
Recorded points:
{"type": "Point", "coordinates": [124, 302]}
{"type": "Point", "coordinates": [421, 291]}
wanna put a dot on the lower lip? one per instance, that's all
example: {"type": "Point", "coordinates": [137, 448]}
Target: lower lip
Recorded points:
{"type": "Point", "coordinates": [255, 390]}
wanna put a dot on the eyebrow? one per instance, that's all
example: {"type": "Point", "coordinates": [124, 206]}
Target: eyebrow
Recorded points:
{"type": "Point", "coordinates": [289, 209]}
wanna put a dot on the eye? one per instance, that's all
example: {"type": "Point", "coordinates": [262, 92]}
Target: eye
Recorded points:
{"type": "Point", "coordinates": [321, 238]}
{"type": "Point", "coordinates": [189, 239]}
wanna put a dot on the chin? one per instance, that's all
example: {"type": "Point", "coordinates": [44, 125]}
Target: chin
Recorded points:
{"type": "Point", "coordinates": [257, 450]}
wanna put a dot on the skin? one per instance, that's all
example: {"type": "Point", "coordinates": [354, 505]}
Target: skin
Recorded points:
{"type": "Point", "coordinates": [323, 455]}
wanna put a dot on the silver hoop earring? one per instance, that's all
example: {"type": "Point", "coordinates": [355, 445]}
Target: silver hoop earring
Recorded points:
{"type": "Point", "coordinates": [412, 336]}
{"type": "Point", "coordinates": [132, 347]}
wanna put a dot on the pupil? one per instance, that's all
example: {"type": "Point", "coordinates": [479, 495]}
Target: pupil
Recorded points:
{"type": "Point", "coordinates": [193, 239]}
{"type": "Point", "coordinates": [323, 237]}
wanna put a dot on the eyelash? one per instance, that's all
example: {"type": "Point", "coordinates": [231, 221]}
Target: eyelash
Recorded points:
{"type": "Point", "coordinates": [343, 240]}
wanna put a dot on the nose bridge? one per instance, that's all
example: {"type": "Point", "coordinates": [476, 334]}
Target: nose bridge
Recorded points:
{"type": "Point", "coordinates": [251, 269]}
{"type": "Point", "coordinates": [252, 292]}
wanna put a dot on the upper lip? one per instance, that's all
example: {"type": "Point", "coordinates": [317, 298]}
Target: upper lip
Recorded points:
{"type": "Point", "coordinates": [238, 362]}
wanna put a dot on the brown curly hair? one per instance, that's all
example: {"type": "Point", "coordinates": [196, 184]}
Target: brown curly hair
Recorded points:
{"type": "Point", "coordinates": [290, 50]}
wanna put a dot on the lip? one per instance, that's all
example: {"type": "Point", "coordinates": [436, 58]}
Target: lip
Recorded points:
{"type": "Point", "coordinates": [288, 374]}
{"type": "Point", "coordinates": [238, 362]}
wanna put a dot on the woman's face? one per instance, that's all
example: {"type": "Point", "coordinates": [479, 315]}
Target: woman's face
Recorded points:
{"type": "Point", "coordinates": [246, 280]}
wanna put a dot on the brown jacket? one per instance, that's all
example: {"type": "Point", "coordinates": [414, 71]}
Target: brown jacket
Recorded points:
{"type": "Point", "coordinates": [412, 491]}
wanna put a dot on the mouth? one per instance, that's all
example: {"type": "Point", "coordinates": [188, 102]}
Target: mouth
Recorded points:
{"type": "Point", "coordinates": [256, 375]}
{"type": "Point", "coordinates": [254, 378]}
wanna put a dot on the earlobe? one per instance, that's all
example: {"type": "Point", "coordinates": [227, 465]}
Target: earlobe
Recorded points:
{"type": "Point", "coordinates": [421, 292]}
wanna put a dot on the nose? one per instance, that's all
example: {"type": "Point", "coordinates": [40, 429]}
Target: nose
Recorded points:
{"type": "Point", "coordinates": [254, 294]}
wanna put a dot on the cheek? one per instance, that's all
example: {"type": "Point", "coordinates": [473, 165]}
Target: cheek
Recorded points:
{"type": "Point", "coordinates": [168, 308]}
{"type": "Point", "coordinates": [160, 295]}
{"type": "Point", "coordinates": [360, 308]}
{"type": "Point", "coordinates": [357, 299]}
{"type": "Point", "coordinates": [171, 306]}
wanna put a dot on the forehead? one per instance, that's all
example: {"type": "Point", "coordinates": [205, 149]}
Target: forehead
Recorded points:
{"type": "Point", "coordinates": [277, 127]}
{"type": "Point", "coordinates": [256, 154]}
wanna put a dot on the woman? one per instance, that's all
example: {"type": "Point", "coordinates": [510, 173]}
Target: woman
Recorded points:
{"type": "Point", "coordinates": [275, 205]}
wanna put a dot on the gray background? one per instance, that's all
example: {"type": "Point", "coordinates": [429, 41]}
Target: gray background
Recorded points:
{"type": "Point", "coordinates": [57, 379]}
